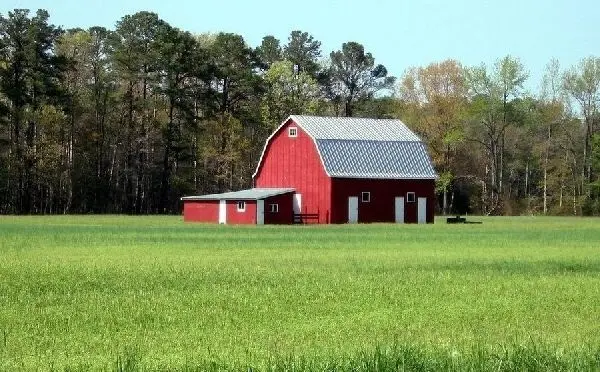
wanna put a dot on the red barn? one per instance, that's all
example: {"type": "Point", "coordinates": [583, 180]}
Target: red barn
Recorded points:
{"type": "Point", "coordinates": [337, 170]}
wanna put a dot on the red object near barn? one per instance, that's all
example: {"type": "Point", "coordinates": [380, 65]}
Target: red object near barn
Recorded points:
{"type": "Point", "coordinates": [331, 170]}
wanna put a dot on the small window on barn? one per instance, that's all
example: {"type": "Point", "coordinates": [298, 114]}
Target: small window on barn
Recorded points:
{"type": "Point", "coordinates": [274, 208]}
{"type": "Point", "coordinates": [241, 206]}
{"type": "Point", "coordinates": [410, 197]}
{"type": "Point", "coordinates": [365, 196]}
{"type": "Point", "coordinates": [292, 132]}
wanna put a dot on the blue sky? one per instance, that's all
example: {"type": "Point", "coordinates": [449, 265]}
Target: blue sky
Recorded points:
{"type": "Point", "coordinates": [399, 33]}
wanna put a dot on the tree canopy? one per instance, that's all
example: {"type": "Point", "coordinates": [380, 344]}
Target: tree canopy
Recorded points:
{"type": "Point", "coordinates": [129, 120]}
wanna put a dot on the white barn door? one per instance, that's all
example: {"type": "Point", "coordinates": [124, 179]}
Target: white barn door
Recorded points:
{"type": "Point", "coordinates": [297, 203]}
{"type": "Point", "coordinates": [422, 210]}
{"type": "Point", "coordinates": [222, 211]}
{"type": "Point", "coordinates": [399, 201]}
{"type": "Point", "coordinates": [260, 212]}
{"type": "Point", "coordinates": [353, 209]}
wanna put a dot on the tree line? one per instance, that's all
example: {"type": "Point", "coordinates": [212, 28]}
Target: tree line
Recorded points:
{"type": "Point", "coordinates": [131, 119]}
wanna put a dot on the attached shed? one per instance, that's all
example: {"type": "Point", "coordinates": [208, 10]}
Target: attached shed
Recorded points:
{"type": "Point", "coordinates": [252, 206]}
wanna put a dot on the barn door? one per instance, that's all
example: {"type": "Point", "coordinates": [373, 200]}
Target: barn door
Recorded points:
{"type": "Point", "coordinates": [422, 210]}
{"type": "Point", "coordinates": [260, 212]}
{"type": "Point", "coordinates": [353, 209]}
{"type": "Point", "coordinates": [399, 201]}
{"type": "Point", "coordinates": [297, 203]}
{"type": "Point", "coordinates": [222, 211]}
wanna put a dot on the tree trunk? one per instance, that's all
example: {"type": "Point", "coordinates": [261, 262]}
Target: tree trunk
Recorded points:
{"type": "Point", "coordinates": [527, 185]}
{"type": "Point", "coordinates": [546, 155]}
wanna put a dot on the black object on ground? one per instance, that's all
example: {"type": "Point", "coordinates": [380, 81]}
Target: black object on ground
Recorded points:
{"type": "Point", "coordinates": [459, 219]}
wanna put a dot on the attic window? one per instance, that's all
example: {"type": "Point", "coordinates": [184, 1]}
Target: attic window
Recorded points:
{"type": "Point", "coordinates": [273, 208]}
{"type": "Point", "coordinates": [292, 132]}
{"type": "Point", "coordinates": [365, 197]}
{"type": "Point", "coordinates": [241, 206]}
{"type": "Point", "coordinates": [410, 197]}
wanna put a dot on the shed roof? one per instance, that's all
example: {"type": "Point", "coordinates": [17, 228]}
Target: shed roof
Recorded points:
{"type": "Point", "coordinates": [365, 148]}
{"type": "Point", "coordinates": [249, 194]}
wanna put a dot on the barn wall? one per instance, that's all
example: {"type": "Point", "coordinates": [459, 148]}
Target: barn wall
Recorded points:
{"type": "Point", "coordinates": [201, 211]}
{"type": "Point", "coordinates": [383, 192]}
{"type": "Point", "coordinates": [240, 218]}
{"type": "Point", "coordinates": [295, 163]}
{"type": "Point", "coordinates": [286, 209]}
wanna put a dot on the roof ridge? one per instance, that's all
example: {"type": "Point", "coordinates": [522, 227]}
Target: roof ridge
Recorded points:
{"type": "Point", "coordinates": [367, 140]}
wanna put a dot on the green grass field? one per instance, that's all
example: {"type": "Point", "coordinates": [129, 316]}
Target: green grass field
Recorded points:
{"type": "Point", "coordinates": [153, 293]}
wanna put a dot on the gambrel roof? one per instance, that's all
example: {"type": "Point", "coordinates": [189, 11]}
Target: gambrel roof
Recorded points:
{"type": "Point", "coordinates": [365, 148]}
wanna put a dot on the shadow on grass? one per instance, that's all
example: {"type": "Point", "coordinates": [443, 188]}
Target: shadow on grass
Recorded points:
{"type": "Point", "coordinates": [399, 358]}
{"type": "Point", "coordinates": [520, 267]}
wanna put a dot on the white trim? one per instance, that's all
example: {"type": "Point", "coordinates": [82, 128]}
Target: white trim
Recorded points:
{"type": "Point", "coordinates": [295, 130]}
{"type": "Point", "coordinates": [243, 204]}
{"type": "Point", "coordinates": [274, 208]}
{"type": "Point", "coordinates": [414, 197]}
{"type": "Point", "coordinates": [368, 197]}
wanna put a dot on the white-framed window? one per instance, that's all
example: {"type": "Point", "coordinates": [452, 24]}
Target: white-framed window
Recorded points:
{"type": "Point", "coordinates": [274, 208]}
{"type": "Point", "coordinates": [241, 206]}
{"type": "Point", "coordinates": [410, 197]}
{"type": "Point", "coordinates": [292, 132]}
{"type": "Point", "coordinates": [365, 196]}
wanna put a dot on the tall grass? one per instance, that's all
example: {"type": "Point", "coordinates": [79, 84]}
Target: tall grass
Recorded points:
{"type": "Point", "coordinates": [152, 293]}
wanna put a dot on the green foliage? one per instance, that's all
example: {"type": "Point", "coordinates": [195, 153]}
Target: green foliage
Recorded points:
{"type": "Point", "coordinates": [353, 75]}
{"type": "Point", "coordinates": [152, 293]}
{"type": "Point", "coordinates": [303, 51]}
{"type": "Point", "coordinates": [288, 93]}
{"type": "Point", "coordinates": [269, 51]}
{"type": "Point", "coordinates": [234, 78]}
{"type": "Point", "coordinates": [442, 184]}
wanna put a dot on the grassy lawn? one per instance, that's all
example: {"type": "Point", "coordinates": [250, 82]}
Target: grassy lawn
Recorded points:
{"type": "Point", "coordinates": [153, 293]}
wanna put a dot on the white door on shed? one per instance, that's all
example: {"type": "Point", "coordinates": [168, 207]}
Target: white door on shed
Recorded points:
{"type": "Point", "coordinates": [260, 212]}
{"type": "Point", "coordinates": [297, 203]}
{"type": "Point", "coordinates": [353, 209]}
{"type": "Point", "coordinates": [399, 201]}
{"type": "Point", "coordinates": [422, 210]}
{"type": "Point", "coordinates": [222, 211]}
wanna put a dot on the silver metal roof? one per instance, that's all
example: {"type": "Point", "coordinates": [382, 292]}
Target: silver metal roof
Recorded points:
{"type": "Point", "coordinates": [360, 129]}
{"type": "Point", "coordinates": [368, 148]}
{"type": "Point", "coordinates": [249, 194]}
{"type": "Point", "coordinates": [376, 159]}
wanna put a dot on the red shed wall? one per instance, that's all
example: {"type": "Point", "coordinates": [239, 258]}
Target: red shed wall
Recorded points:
{"type": "Point", "coordinates": [381, 208]}
{"type": "Point", "coordinates": [286, 209]}
{"type": "Point", "coordinates": [201, 211]}
{"type": "Point", "coordinates": [240, 218]}
{"type": "Point", "coordinates": [294, 162]}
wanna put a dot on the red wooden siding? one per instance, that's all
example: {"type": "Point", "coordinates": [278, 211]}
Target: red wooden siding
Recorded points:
{"type": "Point", "coordinates": [286, 209]}
{"type": "Point", "coordinates": [294, 162]}
{"type": "Point", "coordinates": [201, 211]}
{"type": "Point", "coordinates": [381, 208]}
{"type": "Point", "coordinates": [238, 218]}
